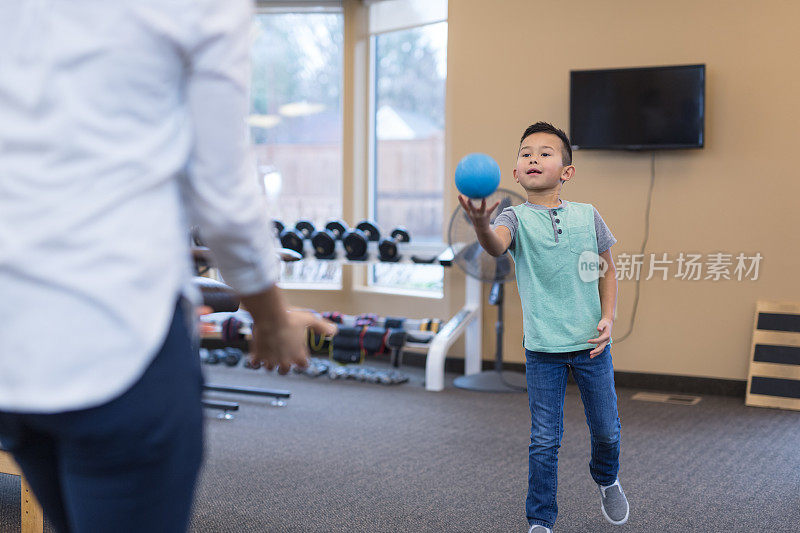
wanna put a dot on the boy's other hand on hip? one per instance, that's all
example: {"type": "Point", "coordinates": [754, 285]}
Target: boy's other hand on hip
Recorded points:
{"type": "Point", "coordinates": [604, 327]}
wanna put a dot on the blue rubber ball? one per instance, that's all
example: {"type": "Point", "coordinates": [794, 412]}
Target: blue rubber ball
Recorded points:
{"type": "Point", "coordinates": [477, 175]}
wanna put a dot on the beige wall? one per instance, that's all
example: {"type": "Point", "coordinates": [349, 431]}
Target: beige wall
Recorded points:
{"type": "Point", "coordinates": [508, 66]}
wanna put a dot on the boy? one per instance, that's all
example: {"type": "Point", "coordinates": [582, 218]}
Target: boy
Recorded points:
{"type": "Point", "coordinates": [555, 246]}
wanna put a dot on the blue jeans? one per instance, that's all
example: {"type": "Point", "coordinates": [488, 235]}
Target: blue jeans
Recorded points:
{"type": "Point", "coordinates": [129, 465]}
{"type": "Point", "coordinates": [546, 374]}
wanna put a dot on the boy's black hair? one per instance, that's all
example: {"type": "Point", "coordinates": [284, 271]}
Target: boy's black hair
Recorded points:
{"type": "Point", "coordinates": [546, 127]}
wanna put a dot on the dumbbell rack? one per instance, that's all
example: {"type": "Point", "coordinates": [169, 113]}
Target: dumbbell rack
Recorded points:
{"type": "Point", "coordinates": [466, 321]}
{"type": "Point", "coordinates": [408, 253]}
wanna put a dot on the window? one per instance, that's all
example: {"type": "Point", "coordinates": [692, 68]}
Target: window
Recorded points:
{"type": "Point", "coordinates": [296, 122]}
{"type": "Point", "coordinates": [410, 71]}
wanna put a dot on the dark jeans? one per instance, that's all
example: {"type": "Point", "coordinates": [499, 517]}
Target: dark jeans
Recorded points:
{"type": "Point", "coordinates": [547, 381]}
{"type": "Point", "coordinates": [129, 465]}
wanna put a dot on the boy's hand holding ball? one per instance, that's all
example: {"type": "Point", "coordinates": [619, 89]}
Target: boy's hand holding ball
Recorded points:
{"type": "Point", "coordinates": [478, 215]}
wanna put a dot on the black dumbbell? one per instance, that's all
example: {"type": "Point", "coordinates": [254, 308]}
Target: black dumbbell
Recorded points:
{"type": "Point", "coordinates": [337, 227]}
{"type": "Point", "coordinates": [370, 230]}
{"type": "Point", "coordinates": [387, 247]}
{"type": "Point", "coordinates": [306, 227]}
{"type": "Point", "coordinates": [324, 244]}
{"type": "Point", "coordinates": [355, 245]}
{"type": "Point", "coordinates": [215, 356]}
{"type": "Point", "coordinates": [278, 227]}
{"type": "Point", "coordinates": [292, 239]}
{"type": "Point", "coordinates": [232, 356]}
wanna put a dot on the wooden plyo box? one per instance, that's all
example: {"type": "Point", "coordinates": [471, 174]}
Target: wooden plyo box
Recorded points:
{"type": "Point", "coordinates": [774, 376]}
{"type": "Point", "coordinates": [31, 512]}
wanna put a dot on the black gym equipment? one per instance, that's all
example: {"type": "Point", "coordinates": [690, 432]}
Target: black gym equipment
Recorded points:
{"type": "Point", "coordinates": [368, 332]}
{"type": "Point", "coordinates": [368, 374]}
{"type": "Point", "coordinates": [324, 244]}
{"type": "Point", "coordinates": [232, 356]}
{"type": "Point", "coordinates": [355, 241]}
{"type": "Point", "coordinates": [337, 227]}
{"type": "Point", "coordinates": [387, 247]}
{"type": "Point", "coordinates": [370, 230]}
{"type": "Point", "coordinates": [214, 356]}
{"type": "Point", "coordinates": [355, 245]}
{"type": "Point", "coordinates": [475, 262]}
{"type": "Point", "coordinates": [306, 227]}
{"type": "Point", "coordinates": [217, 295]}
{"type": "Point", "coordinates": [352, 343]}
{"type": "Point", "coordinates": [225, 406]}
{"type": "Point", "coordinates": [292, 239]}
{"type": "Point", "coordinates": [280, 397]}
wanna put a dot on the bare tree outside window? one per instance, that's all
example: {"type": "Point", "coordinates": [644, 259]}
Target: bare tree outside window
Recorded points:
{"type": "Point", "coordinates": [410, 76]}
{"type": "Point", "coordinates": [296, 123]}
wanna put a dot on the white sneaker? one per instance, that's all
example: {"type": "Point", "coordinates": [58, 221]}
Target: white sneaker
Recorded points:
{"type": "Point", "coordinates": [614, 504]}
{"type": "Point", "coordinates": [536, 528]}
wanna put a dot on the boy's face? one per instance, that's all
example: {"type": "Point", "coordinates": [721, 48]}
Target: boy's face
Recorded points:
{"type": "Point", "coordinates": [540, 164]}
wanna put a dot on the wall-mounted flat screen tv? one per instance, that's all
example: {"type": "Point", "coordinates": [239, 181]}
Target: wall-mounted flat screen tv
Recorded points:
{"type": "Point", "coordinates": [646, 108]}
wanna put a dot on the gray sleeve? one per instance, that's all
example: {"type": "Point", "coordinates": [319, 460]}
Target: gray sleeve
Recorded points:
{"type": "Point", "coordinates": [605, 239]}
{"type": "Point", "coordinates": [507, 218]}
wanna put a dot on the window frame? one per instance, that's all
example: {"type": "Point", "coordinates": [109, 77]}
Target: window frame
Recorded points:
{"type": "Point", "coordinates": [298, 6]}
{"type": "Point", "coordinates": [362, 277]}
{"type": "Point", "coordinates": [331, 7]}
{"type": "Point", "coordinates": [358, 138]}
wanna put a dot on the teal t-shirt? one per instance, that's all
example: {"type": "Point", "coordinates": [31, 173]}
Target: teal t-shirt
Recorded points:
{"type": "Point", "coordinates": [560, 305]}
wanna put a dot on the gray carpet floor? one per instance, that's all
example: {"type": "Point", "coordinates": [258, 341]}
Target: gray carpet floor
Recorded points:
{"type": "Point", "coordinates": [358, 457]}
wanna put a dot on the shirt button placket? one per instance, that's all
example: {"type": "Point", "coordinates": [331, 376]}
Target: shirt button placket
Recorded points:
{"type": "Point", "coordinates": [554, 213]}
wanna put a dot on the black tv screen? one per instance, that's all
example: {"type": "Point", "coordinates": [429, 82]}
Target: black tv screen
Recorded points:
{"type": "Point", "coordinates": [638, 108]}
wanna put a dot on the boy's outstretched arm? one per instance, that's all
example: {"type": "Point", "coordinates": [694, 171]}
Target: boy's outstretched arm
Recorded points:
{"type": "Point", "coordinates": [496, 241]}
{"type": "Point", "coordinates": [607, 285]}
